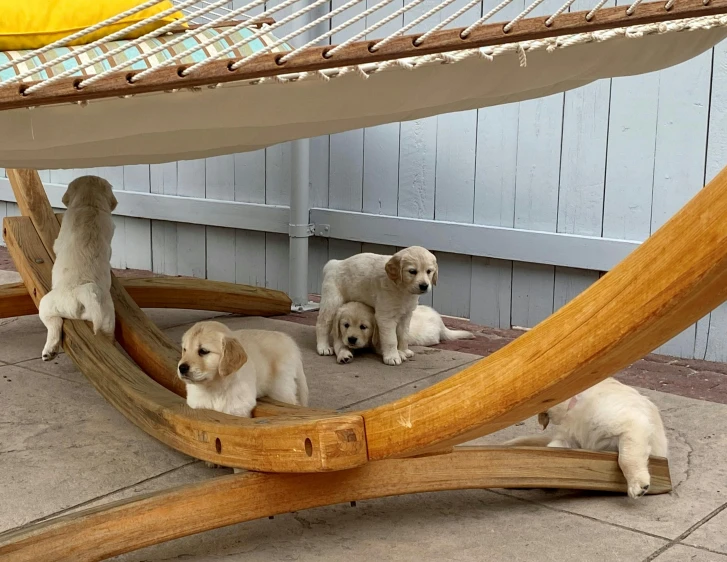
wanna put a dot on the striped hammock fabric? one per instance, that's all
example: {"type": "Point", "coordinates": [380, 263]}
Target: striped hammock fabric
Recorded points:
{"type": "Point", "coordinates": [106, 63]}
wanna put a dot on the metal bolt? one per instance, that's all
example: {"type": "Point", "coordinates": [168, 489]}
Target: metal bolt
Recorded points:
{"type": "Point", "coordinates": [38, 260]}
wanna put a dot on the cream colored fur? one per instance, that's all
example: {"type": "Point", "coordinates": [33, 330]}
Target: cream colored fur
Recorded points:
{"type": "Point", "coordinates": [354, 327]}
{"type": "Point", "coordinates": [228, 371]}
{"type": "Point", "coordinates": [81, 277]}
{"type": "Point", "coordinates": [609, 416]}
{"type": "Point", "coordinates": [389, 284]}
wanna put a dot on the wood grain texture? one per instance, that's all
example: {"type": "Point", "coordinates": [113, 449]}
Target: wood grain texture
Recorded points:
{"type": "Point", "coordinates": [15, 301]}
{"type": "Point", "coordinates": [675, 277]}
{"type": "Point", "coordinates": [281, 444]}
{"type": "Point", "coordinates": [101, 532]}
{"type": "Point", "coordinates": [312, 59]}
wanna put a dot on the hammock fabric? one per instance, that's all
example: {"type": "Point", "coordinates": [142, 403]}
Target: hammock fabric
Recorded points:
{"type": "Point", "coordinates": [200, 105]}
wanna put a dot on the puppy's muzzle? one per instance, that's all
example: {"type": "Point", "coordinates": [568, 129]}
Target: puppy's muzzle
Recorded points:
{"type": "Point", "coordinates": [352, 340]}
{"type": "Point", "coordinates": [423, 287]}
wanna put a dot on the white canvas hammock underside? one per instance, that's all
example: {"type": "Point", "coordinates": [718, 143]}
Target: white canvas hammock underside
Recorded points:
{"type": "Point", "coordinates": [245, 116]}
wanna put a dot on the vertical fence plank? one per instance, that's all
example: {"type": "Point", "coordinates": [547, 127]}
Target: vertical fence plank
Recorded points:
{"type": "Point", "coordinates": [381, 144]}
{"type": "Point", "coordinates": [455, 185]}
{"type": "Point", "coordinates": [536, 195]}
{"type": "Point", "coordinates": [711, 343]}
{"type": "Point", "coordinates": [345, 184]}
{"type": "Point", "coordinates": [582, 173]}
{"type": "Point", "coordinates": [679, 159]}
{"type": "Point", "coordinates": [138, 231]}
{"type": "Point", "coordinates": [250, 245]}
{"type": "Point", "coordinates": [496, 171]}
{"type": "Point", "coordinates": [191, 251]}
{"type": "Point", "coordinates": [278, 181]}
{"type": "Point", "coordinates": [220, 242]}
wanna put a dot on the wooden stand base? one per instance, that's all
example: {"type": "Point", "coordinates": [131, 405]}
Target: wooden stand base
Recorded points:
{"type": "Point", "coordinates": [669, 282]}
{"type": "Point", "coordinates": [95, 534]}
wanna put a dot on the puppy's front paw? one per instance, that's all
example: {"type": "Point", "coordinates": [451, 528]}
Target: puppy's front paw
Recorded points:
{"type": "Point", "coordinates": [405, 355]}
{"type": "Point", "coordinates": [638, 487]}
{"type": "Point", "coordinates": [392, 359]}
{"type": "Point", "coordinates": [324, 350]}
{"type": "Point", "coordinates": [345, 356]}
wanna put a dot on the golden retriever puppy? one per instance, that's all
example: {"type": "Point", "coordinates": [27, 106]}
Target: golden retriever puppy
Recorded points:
{"type": "Point", "coordinates": [389, 284]}
{"type": "Point", "coordinates": [354, 327]}
{"type": "Point", "coordinates": [609, 416]}
{"type": "Point", "coordinates": [81, 276]}
{"type": "Point", "coordinates": [228, 371]}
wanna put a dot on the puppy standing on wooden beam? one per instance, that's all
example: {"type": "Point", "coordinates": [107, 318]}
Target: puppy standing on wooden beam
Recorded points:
{"type": "Point", "coordinates": [82, 270]}
{"type": "Point", "coordinates": [391, 285]}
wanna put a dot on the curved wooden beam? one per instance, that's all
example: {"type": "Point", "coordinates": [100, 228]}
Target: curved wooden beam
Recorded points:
{"type": "Point", "coordinates": [674, 278]}
{"type": "Point", "coordinates": [171, 292]}
{"type": "Point", "coordinates": [109, 530]}
{"type": "Point", "coordinates": [15, 301]}
{"type": "Point", "coordinates": [281, 444]}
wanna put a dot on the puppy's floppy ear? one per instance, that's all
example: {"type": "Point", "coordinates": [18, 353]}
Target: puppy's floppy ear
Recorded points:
{"type": "Point", "coordinates": [68, 195]}
{"type": "Point", "coordinates": [393, 268]}
{"type": "Point", "coordinates": [435, 277]}
{"type": "Point", "coordinates": [112, 201]}
{"type": "Point", "coordinates": [233, 356]}
{"type": "Point", "coordinates": [336, 326]}
{"type": "Point", "coordinates": [544, 420]}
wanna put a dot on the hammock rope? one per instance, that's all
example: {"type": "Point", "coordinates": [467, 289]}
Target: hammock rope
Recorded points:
{"type": "Point", "coordinates": [219, 17]}
{"type": "Point", "coordinates": [114, 36]}
{"type": "Point", "coordinates": [258, 34]}
{"type": "Point", "coordinates": [179, 39]}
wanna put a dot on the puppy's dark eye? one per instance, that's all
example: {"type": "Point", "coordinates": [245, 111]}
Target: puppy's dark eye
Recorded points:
{"type": "Point", "coordinates": [429, 271]}
{"type": "Point", "coordinates": [413, 271]}
{"type": "Point", "coordinates": [346, 325]}
{"type": "Point", "coordinates": [202, 351]}
{"type": "Point", "coordinates": [363, 327]}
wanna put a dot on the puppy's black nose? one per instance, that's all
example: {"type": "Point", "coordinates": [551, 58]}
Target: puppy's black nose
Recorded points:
{"type": "Point", "coordinates": [423, 287]}
{"type": "Point", "coordinates": [352, 339]}
{"type": "Point", "coordinates": [183, 368]}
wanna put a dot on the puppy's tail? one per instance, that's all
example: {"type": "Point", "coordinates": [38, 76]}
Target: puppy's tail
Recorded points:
{"type": "Point", "coordinates": [445, 334]}
{"type": "Point", "coordinates": [89, 297]}
{"type": "Point", "coordinates": [529, 441]}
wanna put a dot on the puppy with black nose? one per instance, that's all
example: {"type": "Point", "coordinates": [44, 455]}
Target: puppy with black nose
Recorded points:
{"type": "Point", "coordinates": [354, 327]}
{"type": "Point", "coordinates": [391, 285]}
{"type": "Point", "coordinates": [228, 371]}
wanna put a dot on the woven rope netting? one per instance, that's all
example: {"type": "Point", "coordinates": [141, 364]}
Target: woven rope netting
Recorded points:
{"type": "Point", "coordinates": [299, 27]}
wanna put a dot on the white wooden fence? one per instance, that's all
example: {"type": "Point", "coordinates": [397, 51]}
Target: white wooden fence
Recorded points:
{"type": "Point", "coordinates": [584, 170]}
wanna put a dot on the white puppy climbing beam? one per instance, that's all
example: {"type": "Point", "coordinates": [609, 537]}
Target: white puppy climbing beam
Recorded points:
{"type": "Point", "coordinates": [219, 80]}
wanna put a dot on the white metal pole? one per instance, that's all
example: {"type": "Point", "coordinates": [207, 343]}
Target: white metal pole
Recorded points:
{"type": "Point", "coordinates": [299, 219]}
{"type": "Point", "coordinates": [299, 229]}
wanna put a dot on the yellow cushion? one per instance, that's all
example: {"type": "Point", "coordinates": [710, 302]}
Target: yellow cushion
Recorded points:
{"type": "Point", "coordinates": [31, 24]}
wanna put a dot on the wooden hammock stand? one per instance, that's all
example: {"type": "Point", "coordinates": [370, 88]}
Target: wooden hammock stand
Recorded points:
{"type": "Point", "coordinates": [300, 458]}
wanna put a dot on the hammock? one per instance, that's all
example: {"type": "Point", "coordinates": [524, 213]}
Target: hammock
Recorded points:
{"type": "Point", "coordinates": [235, 83]}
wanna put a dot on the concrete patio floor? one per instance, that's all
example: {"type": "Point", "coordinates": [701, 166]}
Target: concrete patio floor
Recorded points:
{"type": "Point", "coordinates": [62, 447]}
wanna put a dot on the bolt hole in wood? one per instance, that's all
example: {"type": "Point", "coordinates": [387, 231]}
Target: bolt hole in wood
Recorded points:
{"type": "Point", "coordinates": [308, 447]}
{"type": "Point", "coordinates": [371, 47]}
{"type": "Point", "coordinates": [77, 84]}
{"type": "Point", "coordinates": [22, 88]}
{"type": "Point", "coordinates": [325, 54]}
{"type": "Point", "coordinates": [130, 78]}
{"type": "Point", "coordinates": [218, 446]}
{"type": "Point", "coordinates": [180, 71]}
{"type": "Point", "coordinates": [277, 60]}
